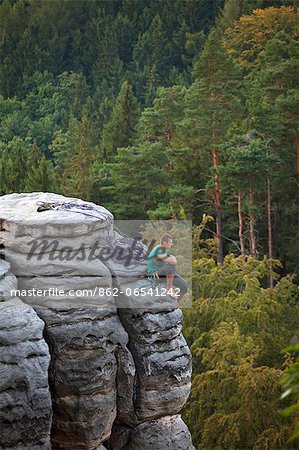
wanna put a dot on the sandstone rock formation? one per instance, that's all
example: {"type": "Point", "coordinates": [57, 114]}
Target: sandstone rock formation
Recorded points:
{"type": "Point", "coordinates": [103, 371]}
{"type": "Point", "coordinates": [25, 401]}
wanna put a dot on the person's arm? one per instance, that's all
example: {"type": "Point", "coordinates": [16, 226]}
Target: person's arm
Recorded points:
{"type": "Point", "coordinates": [170, 259]}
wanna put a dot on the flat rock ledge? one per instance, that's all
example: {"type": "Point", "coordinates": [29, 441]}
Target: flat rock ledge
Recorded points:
{"type": "Point", "coordinates": [78, 372]}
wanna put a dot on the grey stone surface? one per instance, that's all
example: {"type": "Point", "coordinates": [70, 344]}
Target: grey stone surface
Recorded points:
{"type": "Point", "coordinates": [4, 267]}
{"type": "Point", "coordinates": [89, 241]}
{"type": "Point", "coordinates": [20, 265]}
{"type": "Point", "coordinates": [126, 389]}
{"type": "Point", "coordinates": [67, 292]}
{"type": "Point", "coordinates": [8, 281]}
{"type": "Point", "coordinates": [122, 264]}
{"type": "Point", "coordinates": [120, 437]}
{"type": "Point", "coordinates": [60, 265]}
{"type": "Point", "coordinates": [140, 294]}
{"type": "Point", "coordinates": [48, 248]}
{"type": "Point", "coordinates": [120, 368]}
{"type": "Point", "coordinates": [8, 284]}
{"type": "Point", "coordinates": [61, 233]}
{"type": "Point", "coordinates": [25, 402]}
{"type": "Point", "coordinates": [162, 359]}
{"type": "Point", "coordinates": [20, 218]}
{"type": "Point", "coordinates": [82, 373]}
{"type": "Point", "coordinates": [166, 433]}
{"type": "Point", "coordinates": [82, 423]}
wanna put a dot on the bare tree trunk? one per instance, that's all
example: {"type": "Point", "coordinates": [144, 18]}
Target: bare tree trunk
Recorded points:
{"type": "Point", "coordinates": [217, 204]}
{"type": "Point", "coordinates": [270, 238]}
{"type": "Point", "coordinates": [252, 223]}
{"type": "Point", "coordinates": [240, 216]}
{"type": "Point", "coordinates": [217, 196]}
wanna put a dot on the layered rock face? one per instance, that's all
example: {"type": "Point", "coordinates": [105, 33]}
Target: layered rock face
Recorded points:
{"type": "Point", "coordinates": [93, 367]}
{"type": "Point", "coordinates": [25, 401]}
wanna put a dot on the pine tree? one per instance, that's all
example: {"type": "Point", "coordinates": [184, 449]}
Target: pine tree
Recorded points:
{"type": "Point", "coordinates": [150, 58]}
{"type": "Point", "coordinates": [6, 173]}
{"type": "Point", "coordinates": [74, 156]}
{"type": "Point", "coordinates": [102, 54]}
{"type": "Point", "coordinates": [161, 120]}
{"type": "Point", "coordinates": [14, 165]}
{"type": "Point", "coordinates": [40, 176]}
{"type": "Point", "coordinates": [213, 104]}
{"type": "Point", "coordinates": [78, 177]}
{"type": "Point", "coordinates": [72, 94]}
{"type": "Point", "coordinates": [13, 23]}
{"type": "Point", "coordinates": [132, 197]}
{"type": "Point", "coordinates": [28, 56]}
{"type": "Point", "coordinates": [152, 83]}
{"type": "Point", "coordinates": [273, 107]}
{"type": "Point", "coordinates": [229, 15]}
{"type": "Point", "coordinates": [119, 130]}
{"type": "Point", "coordinates": [160, 124]}
{"type": "Point", "coordinates": [246, 174]}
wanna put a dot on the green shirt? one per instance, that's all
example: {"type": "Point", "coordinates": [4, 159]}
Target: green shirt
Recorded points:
{"type": "Point", "coordinates": [152, 264]}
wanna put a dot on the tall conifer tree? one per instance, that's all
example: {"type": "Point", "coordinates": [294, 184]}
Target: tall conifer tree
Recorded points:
{"type": "Point", "coordinates": [213, 104]}
{"type": "Point", "coordinates": [119, 130]}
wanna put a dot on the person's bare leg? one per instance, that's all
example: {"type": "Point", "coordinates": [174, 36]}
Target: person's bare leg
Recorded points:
{"type": "Point", "coordinates": [169, 281]}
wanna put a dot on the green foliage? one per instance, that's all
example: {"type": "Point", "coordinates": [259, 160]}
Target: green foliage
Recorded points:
{"type": "Point", "coordinates": [217, 90]}
{"type": "Point", "coordinates": [236, 328]}
{"type": "Point", "coordinates": [247, 164]}
{"type": "Point", "coordinates": [229, 15]}
{"type": "Point", "coordinates": [145, 185]}
{"type": "Point", "coordinates": [290, 382]}
{"type": "Point", "coordinates": [23, 167]}
{"type": "Point", "coordinates": [14, 166]}
{"type": "Point", "coordinates": [41, 173]}
{"type": "Point", "coordinates": [74, 156]}
{"type": "Point", "coordinates": [119, 130]}
{"type": "Point", "coordinates": [273, 106]}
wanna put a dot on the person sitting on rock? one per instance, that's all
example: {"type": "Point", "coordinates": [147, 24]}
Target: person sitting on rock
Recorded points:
{"type": "Point", "coordinates": [162, 264]}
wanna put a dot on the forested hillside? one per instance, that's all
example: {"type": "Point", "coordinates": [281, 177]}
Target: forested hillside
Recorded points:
{"type": "Point", "coordinates": [204, 117]}
{"type": "Point", "coordinates": [177, 109]}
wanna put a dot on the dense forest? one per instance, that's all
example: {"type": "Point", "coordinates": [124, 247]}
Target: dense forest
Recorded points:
{"type": "Point", "coordinates": [160, 109]}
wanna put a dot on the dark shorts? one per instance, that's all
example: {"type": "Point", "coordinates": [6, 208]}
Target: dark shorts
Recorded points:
{"type": "Point", "coordinates": [178, 281]}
